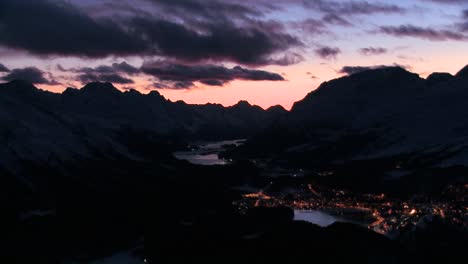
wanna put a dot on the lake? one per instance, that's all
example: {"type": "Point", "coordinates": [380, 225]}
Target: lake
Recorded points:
{"type": "Point", "coordinates": [316, 217]}
{"type": "Point", "coordinates": [206, 153]}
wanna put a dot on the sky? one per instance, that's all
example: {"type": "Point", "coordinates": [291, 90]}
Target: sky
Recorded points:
{"type": "Point", "coordinates": [267, 52]}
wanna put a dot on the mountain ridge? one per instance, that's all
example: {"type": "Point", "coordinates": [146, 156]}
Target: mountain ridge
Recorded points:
{"type": "Point", "coordinates": [390, 111]}
{"type": "Point", "coordinates": [396, 108]}
{"type": "Point", "coordinates": [37, 124]}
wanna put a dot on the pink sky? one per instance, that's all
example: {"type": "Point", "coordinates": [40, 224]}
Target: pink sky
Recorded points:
{"type": "Point", "coordinates": [424, 36]}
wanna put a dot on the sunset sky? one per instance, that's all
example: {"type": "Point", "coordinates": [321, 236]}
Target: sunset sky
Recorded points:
{"type": "Point", "coordinates": [221, 51]}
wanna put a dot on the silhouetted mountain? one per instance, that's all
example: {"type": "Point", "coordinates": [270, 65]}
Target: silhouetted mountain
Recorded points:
{"type": "Point", "coordinates": [401, 111]}
{"type": "Point", "coordinates": [89, 172]}
{"type": "Point", "coordinates": [463, 73]}
{"type": "Point", "coordinates": [382, 114]}
{"type": "Point", "coordinates": [439, 77]}
{"type": "Point", "coordinates": [81, 166]}
{"type": "Point", "coordinates": [37, 125]}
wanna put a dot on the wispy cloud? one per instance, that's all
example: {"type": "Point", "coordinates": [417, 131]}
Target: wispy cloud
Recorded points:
{"type": "Point", "coordinates": [422, 32]}
{"type": "Point", "coordinates": [373, 51]}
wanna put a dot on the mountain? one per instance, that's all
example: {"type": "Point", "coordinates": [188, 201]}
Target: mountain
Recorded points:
{"type": "Point", "coordinates": [94, 137]}
{"type": "Point", "coordinates": [463, 73]}
{"type": "Point", "coordinates": [89, 172]}
{"type": "Point", "coordinates": [400, 112]}
{"type": "Point", "coordinates": [38, 125]}
{"type": "Point", "coordinates": [388, 116]}
{"type": "Point", "coordinates": [81, 171]}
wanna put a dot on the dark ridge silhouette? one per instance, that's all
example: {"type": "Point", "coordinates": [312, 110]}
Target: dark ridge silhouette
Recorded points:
{"type": "Point", "coordinates": [19, 87]}
{"type": "Point", "coordinates": [80, 122]}
{"type": "Point", "coordinates": [439, 77]}
{"type": "Point", "coordinates": [277, 108]}
{"type": "Point", "coordinates": [463, 73]}
{"type": "Point", "coordinates": [100, 89]}
{"type": "Point", "coordinates": [374, 119]}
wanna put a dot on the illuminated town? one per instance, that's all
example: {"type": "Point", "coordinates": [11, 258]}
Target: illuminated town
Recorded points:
{"type": "Point", "coordinates": [381, 213]}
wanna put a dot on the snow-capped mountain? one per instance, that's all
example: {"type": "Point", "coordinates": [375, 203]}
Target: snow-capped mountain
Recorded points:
{"type": "Point", "coordinates": [98, 119]}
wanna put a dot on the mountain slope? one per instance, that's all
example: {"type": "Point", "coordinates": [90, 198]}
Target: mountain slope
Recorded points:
{"type": "Point", "coordinates": [407, 112]}
{"type": "Point", "coordinates": [99, 120]}
{"type": "Point", "coordinates": [381, 113]}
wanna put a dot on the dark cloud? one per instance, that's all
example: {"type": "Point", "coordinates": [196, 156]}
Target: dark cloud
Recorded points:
{"type": "Point", "coordinates": [122, 68]}
{"type": "Point", "coordinates": [365, 7]}
{"type": "Point", "coordinates": [182, 85]}
{"type": "Point", "coordinates": [464, 25]}
{"type": "Point", "coordinates": [251, 44]}
{"type": "Point", "coordinates": [373, 51]}
{"type": "Point", "coordinates": [104, 73]}
{"type": "Point", "coordinates": [3, 68]}
{"type": "Point", "coordinates": [423, 33]}
{"type": "Point", "coordinates": [178, 76]}
{"type": "Point", "coordinates": [159, 85]}
{"type": "Point", "coordinates": [175, 75]}
{"type": "Point", "coordinates": [213, 82]}
{"type": "Point", "coordinates": [205, 9]}
{"type": "Point", "coordinates": [349, 70]}
{"type": "Point", "coordinates": [115, 8]}
{"type": "Point", "coordinates": [106, 77]}
{"type": "Point", "coordinates": [327, 52]}
{"type": "Point", "coordinates": [185, 30]}
{"type": "Point", "coordinates": [353, 7]}
{"type": "Point", "coordinates": [55, 27]}
{"type": "Point", "coordinates": [337, 9]}
{"type": "Point", "coordinates": [217, 30]}
{"type": "Point", "coordinates": [30, 74]}
{"type": "Point", "coordinates": [169, 85]}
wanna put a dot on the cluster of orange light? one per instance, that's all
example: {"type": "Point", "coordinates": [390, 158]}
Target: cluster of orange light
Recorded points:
{"type": "Point", "coordinates": [259, 195]}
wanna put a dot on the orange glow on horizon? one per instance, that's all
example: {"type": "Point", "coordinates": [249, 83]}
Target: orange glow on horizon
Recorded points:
{"type": "Point", "coordinates": [300, 80]}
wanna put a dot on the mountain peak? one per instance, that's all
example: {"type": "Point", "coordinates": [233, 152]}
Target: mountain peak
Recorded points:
{"type": "Point", "coordinates": [363, 88]}
{"type": "Point", "coordinates": [132, 92]}
{"type": "Point", "coordinates": [71, 91]}
{"type": "Point", "coordinates": [390, 71]}
{"type": "Point", "coordinates": [276, 109]}
{"type": "Point", "coordinates": [463, 73]}
{"type": "Point", "coordinates": [439, 77]}
{"type": "Point", "coordinates": [156, 95]}
{"type": "Point", "coordinates": [243, 103]}
{"type": "Point", "coordinates": [100, 88]}
{"type": "Point", "coordinates": [20, 87]}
